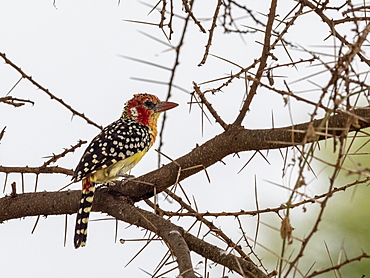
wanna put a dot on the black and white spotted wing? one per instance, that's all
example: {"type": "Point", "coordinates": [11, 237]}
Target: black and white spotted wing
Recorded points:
{"type": "Point", "coordinates": [117, 141]}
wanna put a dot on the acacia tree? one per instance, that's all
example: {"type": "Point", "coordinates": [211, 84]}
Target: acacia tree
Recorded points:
{"type": "Point", "coordinates": [336, 104]}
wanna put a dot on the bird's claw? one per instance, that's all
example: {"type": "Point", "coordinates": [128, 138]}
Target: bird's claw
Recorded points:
{"type": "Point", "coordinates": [126, 179]}
{"type": "Point", "coordinates": [108, 184]}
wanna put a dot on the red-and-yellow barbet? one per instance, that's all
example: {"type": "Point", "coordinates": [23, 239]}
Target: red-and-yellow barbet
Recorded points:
{"type": "Point", "coordinates": [115, 150]}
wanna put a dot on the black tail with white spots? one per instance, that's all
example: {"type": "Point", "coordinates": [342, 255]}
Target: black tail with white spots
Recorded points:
{"type": "Point", "coordinates": [83, 213]}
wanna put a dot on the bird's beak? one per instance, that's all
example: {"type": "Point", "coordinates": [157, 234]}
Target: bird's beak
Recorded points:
{"type": "Point", "coordinates": [164, 106]}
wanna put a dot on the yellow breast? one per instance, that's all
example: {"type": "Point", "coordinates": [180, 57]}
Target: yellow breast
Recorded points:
{"type": "Point", "coordinates": [117, 169]}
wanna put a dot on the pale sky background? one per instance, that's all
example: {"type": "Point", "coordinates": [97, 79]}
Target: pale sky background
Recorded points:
{"type": "Point", "coordinates": [73, 49]}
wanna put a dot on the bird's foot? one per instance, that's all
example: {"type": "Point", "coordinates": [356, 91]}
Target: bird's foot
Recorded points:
{"type": "Point", "coordinates": [126, 179]}
{"type": "Point", "coordinates": [108, 184]}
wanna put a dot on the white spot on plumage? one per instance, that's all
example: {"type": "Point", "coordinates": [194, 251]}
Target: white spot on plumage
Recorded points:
{"type": "Point", "coordinates": [134, 112]}
{"type": "Point", "coordinates": [118, 141]}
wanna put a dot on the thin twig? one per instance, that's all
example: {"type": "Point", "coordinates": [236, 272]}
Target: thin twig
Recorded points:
{"type": "Point", "coordinates": [211, 31]}
{"type": "Point", "coordinates": [55, 157]}
{"type": "Point", "coordinates": [172, 78]}
{"type": "Point", "coordinates": [16, 102]}
{"type": "Point", "coordinates": [36, 170]}
{"type": "Point", "coordinates": [30, 79]}
{"type": "Point", "coordinates": [189, 11]}
{"type": "Point", "coordinates": [312, 200]}
{"type": "Point", "coordinates": [209, 106]}
{"type": "Point", "coordinates": [262, 64]}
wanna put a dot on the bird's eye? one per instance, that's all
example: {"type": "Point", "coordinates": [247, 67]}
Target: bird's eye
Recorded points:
{"type": "Point", "coordinates": [149, 104]}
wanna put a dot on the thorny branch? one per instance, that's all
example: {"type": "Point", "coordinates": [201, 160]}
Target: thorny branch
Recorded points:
{"type": "Point", "coordinates": [331, 25]}
{"type": "Point", "coordinates": [30, 79]}
{"type": "Point", "coordinates": [262, 63]}
{"type": "Point", "coordinates": [338, 266]}
{"type": "Point", "coordinates": [16, 102]}
{"type": "Point", "coordinates": [55, 157]}
{"type": "Point", "coordinates": [189, 11]}
{"type": "Point", "coordinates": [209, 106]}
{"type": "Point", "coordinates": [233, 140]}
{"type": "Point", "coordinates": [162, 178]}
{"type": "Point", "coordinates": [344, 82]}
{"type": "Point", "coordinates": [36, 170]}
{"type": "Point", "coordinates": [211, 226]}
{"type": "Point", "coordinates": [312, 200]}
{"type": "Point", "coordinates": [211, 31]}
{"type": "Point", "coordinates": [176, 64]}
{"type": "Point", "coordinates": [335, 173]}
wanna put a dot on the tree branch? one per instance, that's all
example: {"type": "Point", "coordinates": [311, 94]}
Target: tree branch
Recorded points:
{"type": "Point", "coordinates": [234, 139]}
{"type": "Point", "coordinates": [263, 63]}
{"type": "Point", "coordinates": [66, 202]}
{"type": "Point", "coordinates": [238, 139]}
{"type": "Point", "coordinates": [36, 170]}
{"type": "Point", "coordinates": [118, 208]}
{"type": "Point", "coordinates": [30, 79]}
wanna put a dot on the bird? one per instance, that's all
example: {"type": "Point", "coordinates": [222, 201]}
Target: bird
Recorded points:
{"type": "Point", "coordinates": [116, 150]}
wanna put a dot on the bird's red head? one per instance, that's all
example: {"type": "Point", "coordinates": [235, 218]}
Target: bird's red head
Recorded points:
{"type": "Point", "coordinates": [145, 108]}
